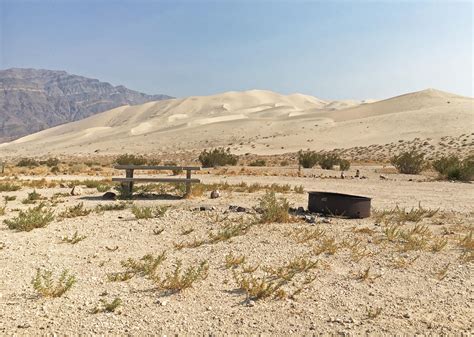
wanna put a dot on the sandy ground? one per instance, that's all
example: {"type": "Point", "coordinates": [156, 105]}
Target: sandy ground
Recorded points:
{"type": "Point", "coordinates": [412, 300]}
{"type": "Point", "coordinates": [259, 122]}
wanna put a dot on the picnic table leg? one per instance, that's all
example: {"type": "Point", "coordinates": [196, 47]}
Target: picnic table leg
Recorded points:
{"type": "Point", "coordinates": [188, 184]}
{"type": "Point", "coordinates": [128, 186]}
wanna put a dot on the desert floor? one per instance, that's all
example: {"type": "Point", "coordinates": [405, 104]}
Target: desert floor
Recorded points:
{"type": "Point", "coordinates": [364, 281]}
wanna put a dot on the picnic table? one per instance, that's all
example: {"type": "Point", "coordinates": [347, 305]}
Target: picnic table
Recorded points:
{"type": "Point", "coordinates": [129, 180]}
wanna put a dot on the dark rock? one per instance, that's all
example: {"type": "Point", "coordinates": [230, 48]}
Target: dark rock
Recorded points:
{"type": "Point", "coordinates": [235, 208]}
{"type": "Point", "coordinates": [109, 196]}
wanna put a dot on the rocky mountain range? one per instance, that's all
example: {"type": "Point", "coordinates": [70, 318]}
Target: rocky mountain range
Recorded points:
{"type": "Point", "coordinates": [35, 99]}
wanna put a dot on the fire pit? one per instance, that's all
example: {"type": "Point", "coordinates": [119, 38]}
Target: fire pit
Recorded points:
{"type": "Point", "coordinates": [346, 205]}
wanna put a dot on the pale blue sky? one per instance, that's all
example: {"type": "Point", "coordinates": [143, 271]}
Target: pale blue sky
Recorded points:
{"type": "Point", "coordinates": [329, 49]}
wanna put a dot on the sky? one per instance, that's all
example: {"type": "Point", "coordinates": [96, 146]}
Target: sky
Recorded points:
{"type": "Point", "coordinates": [328, 49]}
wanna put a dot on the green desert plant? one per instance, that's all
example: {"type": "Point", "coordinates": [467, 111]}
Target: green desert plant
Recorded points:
{"type": "Point", "coordinates": [75, 211]}
{"type": "Point", "coordinates": [344, 164]}
{"type": "Point", "coordinates": [328, 160]}
{"type": "Point", "coordinates": [45, 286]}
{"type": "Point", "coordinates": [180, 279]}
{"type": "Point", "coordinates": [307, 159]}
{"type": "Point", "coordinates": [73, 239]}
{"type": "Point", "coordinates": [217, 157]}
{"type": "Point", "coordinates": [258, 162]}
{"type": "Point", "coordinates": [32, 218]}
{"type": "Point", "coordinates": [273, 209]}
{"type": "Point", "coordinates": [130, 159]}
{"type": "Point", "coordinates": [9, 187]}
{"type": "Point", "coordinates": [27, 162]}
{"type": "Point", "coordinates": [144, 267]}
{"type": "Point", "coordinates": [232, 261]}
{"type": "Point", "coordinates": [149, 212]}
{"type": "Point", "coordinates": [411, 162]}
{"type": "Point", "coordinates": [32, 198]}
{"type": "Point", "coordinates": [107, 306]}
{"type": "Point", "coordinates": [453, 168]}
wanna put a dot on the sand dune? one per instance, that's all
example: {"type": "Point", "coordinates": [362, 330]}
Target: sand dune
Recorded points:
{"type": "Point", "coordinates": [255, 121]}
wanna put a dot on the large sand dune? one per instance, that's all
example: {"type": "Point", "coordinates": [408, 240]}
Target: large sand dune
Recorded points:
{"type": "Point", "coordinates": [255, 121]}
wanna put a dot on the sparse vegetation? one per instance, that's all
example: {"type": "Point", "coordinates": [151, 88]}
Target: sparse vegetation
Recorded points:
{"type": "Point", "coordinates": [130, 159]}
{"type": "Point", "coordinates": [180, 279]}
{"type": "Point", "coordinates": [45, 286]}
{"type": "Point", "coordinates": [232, 261]}
{"type": "Point", "coordinates": [273, 209]}
{"type": "Point", "coordinates": [258, 162]}
{"type": "Point", "coordinates": [328, 160]}
{"type": "Point", "coordinates": [9, 187]}
{"type": "Point", "coordinates": [145, 267]}
{"type": "Point", "coordinates": [149, 212]}
{"type": "Point", "coordinates": [453, 168]}
{"type": "Point", "coordinates": [76, 238]}
{"type": "Point", "coordinates": [107, 306]}
{"type": "Point", "coordinates": [32, 198]}
{"type": "Point", "coordinates": [307, 159]}
{"type": "Point", "coordinates": [27, 162]}
{"type": "Point", "coordinates": [411, 162]}
{"type": "Point", "coordinates": [217, 157]}
{"type": "Point", "coordinates": [30, 219]}
{"type": "Point", "coordinates": [75, 211]}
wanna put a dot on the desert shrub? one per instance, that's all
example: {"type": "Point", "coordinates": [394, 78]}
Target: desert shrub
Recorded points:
{"type": "Point", "coordinates": [454, 168]}
{"type": "Point", "coordinates": [30, 219]}
{"type": "Point", "coordinates": [307, 159]}
{"type": "Point", "coordinates": [27, 162]}
{"type": "Point", "coordinates": [344, 164]}
{"type": "Point", "coordinates": [284, 163]}
{"type": "Point", "coordinates": [411, 162]}
{"type": "Point", "coordinates": [149, 212]}
{"type": "Point", "coordinates": [75, 211]}
{"type": "Point", "coordinates": [50, 162]}
{"type": "Point", "coordinates": [274, 209]}
{"type": "Point", "coordinates": [55, 169]}
{"type": "Point", "coordinates": [175, 171]}
{"type": "Point", "coordinates": [217, 157]}
{"type": "Point", "coordinates": [45, 286]}
{"type": "Point", "coordinates": [130, 159]}
{"type": "Point", "coordinates": [76, 238]}
{"type": "Point", "coordinates": [32, 198]}
{"type": "Point", "coordinates": [258, 162]}
{"type": "Point", "coordinates": [107, 306]}
{"type": "Point", "coordinates": [9, 187]}
{"type": "Point", "coordinates": [328, 160]}
{"type": "Point", "coordinates": [103, 188]}
{"type": "Point", "coordinates": [180, 279]}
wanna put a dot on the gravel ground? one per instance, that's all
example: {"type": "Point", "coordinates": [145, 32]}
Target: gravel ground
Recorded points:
{"type": "Point", "coordinates": [410, 300]}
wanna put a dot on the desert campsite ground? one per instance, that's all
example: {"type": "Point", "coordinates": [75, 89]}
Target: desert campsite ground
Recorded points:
{"type": "Point", "coordinates": [406, 269]}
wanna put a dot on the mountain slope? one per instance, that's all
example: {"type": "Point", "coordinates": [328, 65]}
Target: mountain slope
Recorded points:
{"type": "Point", "coordinates": [34, 99]}
{"type": "Point", "coordinates": [255, 121]}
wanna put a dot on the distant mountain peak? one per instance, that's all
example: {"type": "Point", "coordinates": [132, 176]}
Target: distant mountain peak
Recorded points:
{"type": "Point", "coordinates": [35, 99]}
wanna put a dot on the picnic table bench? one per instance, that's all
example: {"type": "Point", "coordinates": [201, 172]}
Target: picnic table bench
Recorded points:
{"type": "Point", "coordinates": [129, 180]}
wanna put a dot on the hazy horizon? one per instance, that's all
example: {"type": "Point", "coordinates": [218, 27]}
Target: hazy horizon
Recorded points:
{"type": "Point", "coordinates": [342, 50]}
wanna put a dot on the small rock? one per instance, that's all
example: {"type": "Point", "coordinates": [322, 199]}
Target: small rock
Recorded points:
{"type": "Point", "coordinates": [109, 196]}
{"type": "Point", "coordinates": [250, 303]}
{"type": "Point", "coordinates": [24, 325]}
{"type": "Point", "coordinates": [215, 194]}
{"type": "Point", "coordinates": [406, 315]}
{"type": "Point", "coordinates": [383, 177]}
{"type": "Point", "coordinates": [326, 220]}
{"type": "Point", "coordinates": [76, 190]}
{"type": "Point", "coordinates": [310, 219]}
{"type": "Point", "coordinates": [162, 302]}
{"type": "Point", "coordinates": [235, 208]}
